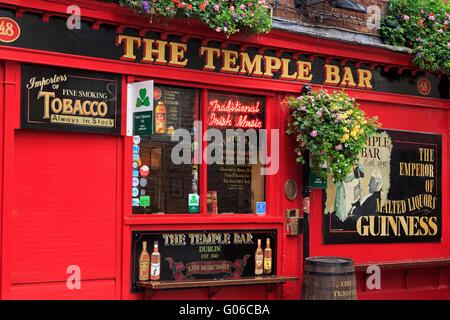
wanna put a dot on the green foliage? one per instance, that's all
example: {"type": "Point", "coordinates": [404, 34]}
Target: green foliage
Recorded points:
{"type": "Point", "coordinates": [421, 25]}
{"type": "Point", "coordinates": [228, 16]}
{"type": "Point", "coordinates": [332, 128]}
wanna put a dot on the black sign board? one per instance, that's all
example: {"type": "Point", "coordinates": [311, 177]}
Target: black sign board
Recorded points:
{"type": "Point", "coordinates": [105, 42]}
{"type": "Point", "coordinates": [200, 254]}
{"type": "Point", "coordinates": [393, 195]}
{"type": "Point", "coordinates": [70, 100]}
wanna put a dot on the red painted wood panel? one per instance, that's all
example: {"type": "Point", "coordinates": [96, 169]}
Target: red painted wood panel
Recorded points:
{"type": "Point", "coordinates": [65, 208]}
{"type": "Point", "coordinates": [92, 290]}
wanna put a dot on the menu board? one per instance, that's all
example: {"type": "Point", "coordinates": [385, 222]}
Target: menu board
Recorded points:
{"type": "Point", "coordinates": [394, 193]}
{"type": "Point", "coordinates": [174, 108]}
{"type": "Point", "coordinates": [200, 254]}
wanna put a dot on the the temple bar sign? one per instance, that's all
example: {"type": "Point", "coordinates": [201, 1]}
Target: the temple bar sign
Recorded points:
{"type": "Point", "coordinates": [168, 53]}
{"type": "Point", "coordinates": [173, 51]}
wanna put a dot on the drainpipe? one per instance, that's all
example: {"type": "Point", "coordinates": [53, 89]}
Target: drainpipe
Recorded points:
{"type": "Point", "coordinates": [306, 193]}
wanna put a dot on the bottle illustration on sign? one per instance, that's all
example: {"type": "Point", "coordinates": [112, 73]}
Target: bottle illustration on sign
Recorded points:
{"type": "Point", "coordinates": [155, 263]}
{"type": "Point", "coordinates": [144, 263]}
{"type": "Point", "coordinates": [160, 118]}
{"type": "Point", "coordinates": [259, 259]}
{"type": "Point", "coordinates": [267, 257]}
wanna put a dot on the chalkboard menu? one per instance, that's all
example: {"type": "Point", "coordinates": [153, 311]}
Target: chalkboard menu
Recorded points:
{"type": "Point", "coordinates": [200, 254]}
{"type": "Point", "coordinates": [393, 195]}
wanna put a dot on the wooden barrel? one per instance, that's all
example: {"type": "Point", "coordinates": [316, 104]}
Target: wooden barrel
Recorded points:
{"type": "Point", "coordinates": [329, 278]}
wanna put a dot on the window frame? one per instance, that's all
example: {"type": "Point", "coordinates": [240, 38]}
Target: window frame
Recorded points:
{"type": "Point", "coordinates": [272, 101]}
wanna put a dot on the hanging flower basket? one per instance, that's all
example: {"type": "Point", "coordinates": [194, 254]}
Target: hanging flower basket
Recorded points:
{"type": "Point", "coordinates": [227, 16]}
{"type": "Point", "coordinates": [423, 27]}
{"type": "Point", "coordinates": [332, 128]}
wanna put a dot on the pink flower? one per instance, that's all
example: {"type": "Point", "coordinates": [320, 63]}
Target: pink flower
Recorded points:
{"type": "Point", "coordinates": [299, 153]}
{"type": "Point", "coordinates": [338, 147]}
{"type": "Point", "coordinates": [431, 17]}
{"type": "Point", "coordinates": [319, 113]}
{"type": "Point", "coordinates": [405, 17]}
{"type": "Point", "coordinates": [440, 31]}
{"type": "Point", "coordinates": [231, 8]}
{"type": "Point", "coordinates": [303, 108]}
{"type": "Point", "coordinates": [314, 133]}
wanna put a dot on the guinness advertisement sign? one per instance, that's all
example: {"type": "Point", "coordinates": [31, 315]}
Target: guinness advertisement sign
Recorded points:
{"type": "Point", "coordinates": [394, 193]}
{"type": "Point", "coordinates": [70, 100]}
{"type": "Point", "coordinates": [106, 41]}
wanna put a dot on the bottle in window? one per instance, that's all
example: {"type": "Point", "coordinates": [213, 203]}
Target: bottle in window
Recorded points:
{"type": "Point", "coordinates": [144, 262]}
{"type": "Point", "coordinates": [267, 258]}
{"type": "Point", "coordinates": [259, 259]}
{"type": "Point", "coordinates": [160, 118]}
{"type": "Point", "coordinates": [155, 263]}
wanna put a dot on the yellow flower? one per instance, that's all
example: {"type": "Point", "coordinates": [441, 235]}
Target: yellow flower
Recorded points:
{"type": "Point", "coordinates": [345, 129]}
{"type": "Point", "coordinates": [344, 116]}
{"type": "Point", "coordinates": [361, 130]}
{"type": "Point", "coordinates": [345, 137]}
{"type": "Point", "coordinates": [349, 112]}
{"type": "Point", "coordinates": [353, 133]}
{"type": "Point", "coordinates": [364, 121]}
{"type": "Point", "coordinates": [334, 107]}
{"type": "Point", "coordinates": [340, 99]}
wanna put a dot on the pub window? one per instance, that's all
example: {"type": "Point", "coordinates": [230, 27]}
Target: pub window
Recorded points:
{"type": "Point", "coordinates": [166, 171]}
{"type": "Point", "coordinates": [235, 183]}
{"type": "Point", "coordinates": [161, 186]}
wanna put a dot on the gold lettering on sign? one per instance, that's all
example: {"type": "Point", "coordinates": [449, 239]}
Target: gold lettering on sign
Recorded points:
{"type": "Point", "coordinates": [304, 71]}
{"type": "Point", "coordinates": [234, 61]}
{"type": "Point", "coordinates": [159, 51]}
{"type": "Point", "coordinates": [251, 67]}
{"type": "Point", "coordinates": [209, 54]}
{"type": "Point", "coordinates": [229, 61]}
{"type": "Point", "coordinates": [332, 74]}
{"type": "Point", "coordinates": [129, 46]}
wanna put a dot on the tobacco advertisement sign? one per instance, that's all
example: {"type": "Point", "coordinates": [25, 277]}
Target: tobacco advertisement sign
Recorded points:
{"type": "Point", "coordinates": [70, 100]}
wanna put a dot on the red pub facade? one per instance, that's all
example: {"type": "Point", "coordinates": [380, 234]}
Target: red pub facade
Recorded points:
{"type": "Point", "coordinates": [80, 195]}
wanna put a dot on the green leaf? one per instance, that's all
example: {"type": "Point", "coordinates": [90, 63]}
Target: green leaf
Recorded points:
{"type": "Point", "coordinates": [143, 93]}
